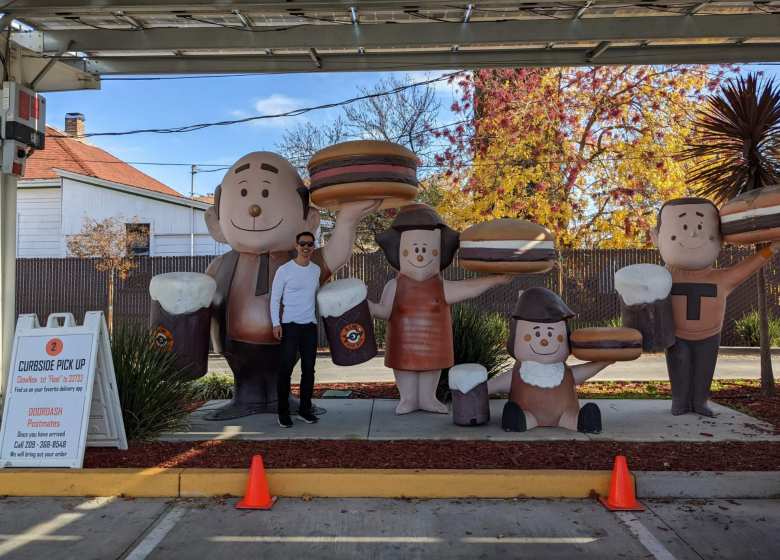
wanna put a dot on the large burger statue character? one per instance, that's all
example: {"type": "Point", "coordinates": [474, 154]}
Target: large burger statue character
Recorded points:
{"type": "Point", "coordinates": [259, 208]}
{"type": "Point", "coordinates": [419, 245]}
{"type": "Point", "coordinates": [688, 236]}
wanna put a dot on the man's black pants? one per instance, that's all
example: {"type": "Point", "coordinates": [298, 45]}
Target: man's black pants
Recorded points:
{"type": "Point", "coordinates": [297, 339]}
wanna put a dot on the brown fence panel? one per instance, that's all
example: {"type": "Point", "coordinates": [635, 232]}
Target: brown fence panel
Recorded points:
{"type": "Point", "coordinates": [584, 279]}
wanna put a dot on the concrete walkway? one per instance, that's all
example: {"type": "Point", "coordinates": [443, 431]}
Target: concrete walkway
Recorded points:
{"type": "Point", "coordinates": [375, 419]}
{"type": "Point", "coordinates": [650, 367]}
{"type": "Point", "coordinates": [107, 528]}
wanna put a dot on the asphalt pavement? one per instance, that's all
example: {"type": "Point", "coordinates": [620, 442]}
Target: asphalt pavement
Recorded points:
{"type": "Point", "coordinates": [108, 528]}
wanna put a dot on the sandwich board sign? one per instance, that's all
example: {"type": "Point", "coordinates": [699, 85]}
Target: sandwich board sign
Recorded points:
{"type": "Point", "coordinates": [61, 393]}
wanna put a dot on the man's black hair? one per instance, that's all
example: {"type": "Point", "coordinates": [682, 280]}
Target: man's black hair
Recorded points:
{"type": "Point", "coordinates": [305, 234]}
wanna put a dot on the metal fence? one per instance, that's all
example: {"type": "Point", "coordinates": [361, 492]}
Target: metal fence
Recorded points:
{"type": "Point", "coordinates": [584, 279]}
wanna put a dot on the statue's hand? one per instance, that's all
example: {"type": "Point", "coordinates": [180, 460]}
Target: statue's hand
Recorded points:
{"type": "Point", "coordinates": [355, 211]}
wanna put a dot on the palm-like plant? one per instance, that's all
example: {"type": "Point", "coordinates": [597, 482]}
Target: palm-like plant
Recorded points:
{"type": "Point", "coordinates": [735, 149]}
{"type": "Point", "coordinates": [736, 141]}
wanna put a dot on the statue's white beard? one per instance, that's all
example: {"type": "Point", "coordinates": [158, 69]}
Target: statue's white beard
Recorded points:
{"type": "Point", "coordinates": [545, 376]}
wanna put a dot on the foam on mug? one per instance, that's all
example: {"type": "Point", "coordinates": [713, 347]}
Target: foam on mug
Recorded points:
{"type": "Point", "coordinates": [336, 298]}
{"type": "Point", "coordinates": [464, 377]}
{"type": "Point", "coordinates": [643, 283]}
{"type": "Point", "coordinates": [182, 292]}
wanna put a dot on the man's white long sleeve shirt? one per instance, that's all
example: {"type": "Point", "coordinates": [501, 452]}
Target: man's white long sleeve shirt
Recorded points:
{"type": "Point", "coordinates": [295, 288]}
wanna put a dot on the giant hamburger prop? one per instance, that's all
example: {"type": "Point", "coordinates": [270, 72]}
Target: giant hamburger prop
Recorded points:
{"type": "Point", "coordinates": [507, 246]}
{"type": "Point", "coordinates": [752, 217]}
{"type": "Point", "coordinates": [604, 344]}
{"type": "Point", "coordinates": [363, 170]}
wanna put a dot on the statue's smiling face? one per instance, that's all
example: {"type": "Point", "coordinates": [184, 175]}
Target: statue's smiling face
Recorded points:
{"type": "Point", "coordinates": [545, 343]}
{"type": "Point", "coordinates": [689, 236]}
{"type": "Point", "coordinates": [260, 209]}
{"type": "Point", "coordinates": [420, 256]}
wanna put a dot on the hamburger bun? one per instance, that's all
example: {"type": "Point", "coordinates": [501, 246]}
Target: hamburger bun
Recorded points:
{"type": "Point", "coordinates": [363, 170]}
{"type": "Point", "coordinates": [507, 246]}
{"type": "Point", "coordinates": [605, 344]}
{"type": "Point", "coordinates": [752, 217]}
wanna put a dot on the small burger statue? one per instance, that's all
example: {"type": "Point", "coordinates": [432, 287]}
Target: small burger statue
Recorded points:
{"type": "Point", "coordinates": [542, 389]}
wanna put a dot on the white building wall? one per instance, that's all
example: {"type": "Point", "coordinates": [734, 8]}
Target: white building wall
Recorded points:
{"type": "Point", "coordinates": [39, 222]}
{"type": "Point", "coordinates": [169, 222]}
{"type": "Point", "coordinates": [169, 245]}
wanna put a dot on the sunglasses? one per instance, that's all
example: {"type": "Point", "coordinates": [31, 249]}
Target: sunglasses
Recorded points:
{"type": "Point", "coordinates": [306, 243]}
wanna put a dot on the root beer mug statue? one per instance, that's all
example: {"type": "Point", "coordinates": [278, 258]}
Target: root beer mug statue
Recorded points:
{"type": "Point", "coordinates": [181, 318]}
{"type": "Point", "coordinates": [470, 399]}
{"type": "Point", "coordinates": [259, 208]}
{"type": "Point", "coordinates": [646, 304]}
{"type": "Point", "coordinates": [348, 325]}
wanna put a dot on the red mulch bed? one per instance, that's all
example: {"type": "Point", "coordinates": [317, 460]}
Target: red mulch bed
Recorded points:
{"type": "Point", "coordinates": [443, 454]}
{"type": "Point", "coordinates": [725, 456]}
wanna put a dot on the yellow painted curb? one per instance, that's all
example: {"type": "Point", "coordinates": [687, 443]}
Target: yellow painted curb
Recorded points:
{"type": "Point", "coordinates": [326, 483]}
{"type": "Point", "coordinates": [376, 483]}
{"type": "Point", "coordinates": [139, 483]}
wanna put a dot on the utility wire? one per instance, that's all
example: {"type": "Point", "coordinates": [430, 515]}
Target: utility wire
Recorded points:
{"type": "Point", "coordinates": [292, 113]}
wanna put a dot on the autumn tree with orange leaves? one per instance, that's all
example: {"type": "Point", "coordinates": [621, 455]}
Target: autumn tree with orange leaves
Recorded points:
{"type": "Point", "coordinates": [587, 152]}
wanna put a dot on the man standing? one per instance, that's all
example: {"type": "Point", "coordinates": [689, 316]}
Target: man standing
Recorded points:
{"type": "Point", "coordinates": [293, 292]}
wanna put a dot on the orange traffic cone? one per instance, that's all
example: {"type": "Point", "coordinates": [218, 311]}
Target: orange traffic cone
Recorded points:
{"type": "Point", "coordinates": [621, 489]}
{"type": "Point", "coordinates": [257, 495]}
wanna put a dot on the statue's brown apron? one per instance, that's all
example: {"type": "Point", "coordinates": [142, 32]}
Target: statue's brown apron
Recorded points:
{"type": "Point", "coordinates": [547, 405]}
{"type": "Point", "coordinates": [419, 335]}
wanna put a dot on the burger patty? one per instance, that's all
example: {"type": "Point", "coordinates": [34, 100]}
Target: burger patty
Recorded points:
{"type": "Point", "coordinates": [362, 160]}
{"type": "Point", "coordinates": [506, 255]}
{"type": "Point", "coordinates": [354, 174]}
{"type": "Point", "coordinates": [748, 224]}
{"type": "Point", "coordinates": [606, 344]}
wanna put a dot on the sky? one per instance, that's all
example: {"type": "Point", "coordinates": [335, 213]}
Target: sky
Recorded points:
{"type": "Point", "coordinates": [136, 104]}
{"type": "Point", "coordinates": [122, 105]}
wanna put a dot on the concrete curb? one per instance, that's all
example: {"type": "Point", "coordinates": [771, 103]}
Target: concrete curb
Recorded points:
{"type": "Point", "coordinates": [376, 483]}
{"type": "Point", "coordinates": [708, 484]}
{"type": "Point", "coordinates": [326, 483]}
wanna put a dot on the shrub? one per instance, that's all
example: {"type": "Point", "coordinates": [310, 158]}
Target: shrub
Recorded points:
{"type": "Point", "coordinates": [380, 332]}
{"type": "Point", "coordinates": [479, 337]}
{"type": "Point", "coordinates": [747, 329]}
{"type": "Point", "coordinates": [213, 386]}
{"type": "Point", "coordinates": [153, 395]}
{"type": "Point", "coordinates": [614, 322]}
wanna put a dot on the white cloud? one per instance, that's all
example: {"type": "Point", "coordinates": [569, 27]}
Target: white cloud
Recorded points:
{"type": "Point", "coordinates": [275, 104]}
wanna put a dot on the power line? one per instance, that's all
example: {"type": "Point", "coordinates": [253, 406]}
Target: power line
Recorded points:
{"type": "Point", "coordinates": [292, 113]}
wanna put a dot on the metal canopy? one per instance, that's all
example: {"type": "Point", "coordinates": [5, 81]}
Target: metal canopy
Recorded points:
{"type": "Point", "coordinates": [192, 36]}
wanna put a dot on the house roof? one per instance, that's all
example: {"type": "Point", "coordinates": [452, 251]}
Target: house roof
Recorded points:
{"type": "Point", "coordinates": [69, 154]}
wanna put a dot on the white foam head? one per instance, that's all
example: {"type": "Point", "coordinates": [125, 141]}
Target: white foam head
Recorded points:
{"type": "Point", "coordinates": [643, 283]}
{"type": "Point", "coordinates": [182, 292]}
{"type": "Point", "coordinates": [464, 377]}
{"type": "Point", "coordinates": [335, 298]}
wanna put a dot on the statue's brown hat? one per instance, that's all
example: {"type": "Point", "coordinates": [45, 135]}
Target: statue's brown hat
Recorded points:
{"type": "Point", "coordinates": [417, 216]}
{"type": "Point", "coordinates": [540, 305]}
